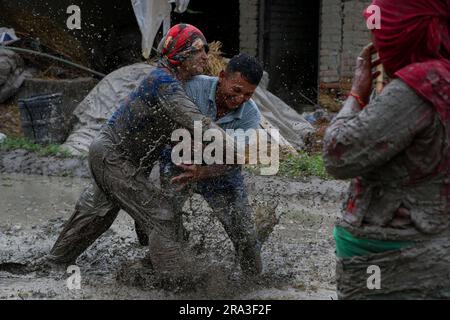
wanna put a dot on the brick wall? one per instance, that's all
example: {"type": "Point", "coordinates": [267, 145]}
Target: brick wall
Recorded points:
{"type": "Point", "coordinates": [343, 35]}
{"type": "Point", "coordinates": [291, 48]}
{"type": "Point", "coordinates": [248, 26]}
{"type": "Point", "coordinates": [330, 40]}
{"type": "Point", "coordinates": [356, 34]}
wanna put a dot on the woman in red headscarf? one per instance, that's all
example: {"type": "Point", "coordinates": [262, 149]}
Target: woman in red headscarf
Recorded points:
{"type": "Point", "coordinates": [393, 239]}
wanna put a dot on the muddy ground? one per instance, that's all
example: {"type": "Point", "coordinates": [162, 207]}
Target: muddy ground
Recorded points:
{"type": "Point", "coordinates": [298, 256]}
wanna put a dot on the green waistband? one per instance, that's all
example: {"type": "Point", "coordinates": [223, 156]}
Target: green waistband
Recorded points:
{"type": "Point", "coordinates": [348, 245]}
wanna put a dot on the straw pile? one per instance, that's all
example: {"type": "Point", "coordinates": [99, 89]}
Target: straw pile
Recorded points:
{"type": "Point", "coordinates": [216, 62]}
{"type": "Point", "coordinates": [50, 35]}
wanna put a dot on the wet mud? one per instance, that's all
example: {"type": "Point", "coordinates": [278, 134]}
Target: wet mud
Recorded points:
{"type": "Point", "coordinates": [23, 161]}
{"type": "Point", "coordinates": [298, 254]}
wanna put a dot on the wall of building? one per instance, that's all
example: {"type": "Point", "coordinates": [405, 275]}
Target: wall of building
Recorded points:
{"type": "Point", "coordinates": [291, 49]}
{"type": "Point", "coordinates": [248, 26]}
{"type": "Point", "coordinates": [343, 35]}
{"type": "Point", "coordinates": [284, 34]}
{"type": "Point", "coordinates": [356, 34]}
{"type": "Point", "coordinates": [330, 40]}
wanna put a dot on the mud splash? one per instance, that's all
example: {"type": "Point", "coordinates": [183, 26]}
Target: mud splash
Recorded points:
{"type": "Point", "coordinates": [298, 255]}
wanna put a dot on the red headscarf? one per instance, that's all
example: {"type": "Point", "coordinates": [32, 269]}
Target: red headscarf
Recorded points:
{"type": "Point", "coordinates": [180, 42]}
{"type": "Point", "coordinates": [414, 45]}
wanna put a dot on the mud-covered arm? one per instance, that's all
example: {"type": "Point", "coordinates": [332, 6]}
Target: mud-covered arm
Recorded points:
{"type": "Point", "coordinates": [358, 141]}
{"type": "Point", "coordinates": [197, 172]}
{"type": "Point", "coordinates": [184, 112]}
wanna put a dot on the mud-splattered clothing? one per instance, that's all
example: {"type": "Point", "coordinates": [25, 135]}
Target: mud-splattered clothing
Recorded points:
{"type": "Point", "coordinates": [225, 194]}
{"type": "Point", "coordinates": [395, 151]}
{"type": "Point", "coordinates": [227, 197]}
{"type": "Point", "coordinates": [146, 119]}
{"type": "Point", "coordinates": [393, 148]}
{"type": "Point", "coordinates": [202, 89]}
{"type": "Point", "coordinates": [120, 159]}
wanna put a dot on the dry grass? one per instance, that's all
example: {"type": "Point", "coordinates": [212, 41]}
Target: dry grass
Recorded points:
{"type": "Point", "coordinates": [329, 101]}
{"type": "Point", "coordinates": [216, 62]}
{"type": "Point", "coordinates": [51, 35]}
{"type": "Point", "coordinates": [10, 123]}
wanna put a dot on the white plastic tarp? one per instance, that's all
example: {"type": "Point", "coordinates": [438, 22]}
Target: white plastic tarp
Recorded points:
{"type": "Point", "coordinates": [12, 74]}
{"type": "Point", "coordinates": [150, 14]}
{"type": "Point", "coordinates": [292, 126]}
{"type": "Point", "coordinates": [100, 104]}
{"type": "Point", "coordinates": [7, 36]}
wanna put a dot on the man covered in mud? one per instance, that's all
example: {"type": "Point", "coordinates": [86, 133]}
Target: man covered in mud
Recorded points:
{"type": "Point", "coordinates": [393, 238]}
{"type": "Point", "coordinates": [226, 100]}
{"type": "Point", "coordinates": [124, 152]}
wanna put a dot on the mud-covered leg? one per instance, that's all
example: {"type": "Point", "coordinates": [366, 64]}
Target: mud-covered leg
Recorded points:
{"type": "Point", "coordinates": [94, 214]}
{"type": "Point", "coordinates": [228, 199]}
{"type": "Point", "coordinates": [177, 198]}
{"type": "Point", "coordinates": [141, 234]}
{"type": "Point", "coordinates": [151, 209]}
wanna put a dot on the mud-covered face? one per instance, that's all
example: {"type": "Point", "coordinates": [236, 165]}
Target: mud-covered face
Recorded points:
{"type": "Point", "coordinates": [233, 90]}
{"type": "Point", "coordinates": [196, 63]}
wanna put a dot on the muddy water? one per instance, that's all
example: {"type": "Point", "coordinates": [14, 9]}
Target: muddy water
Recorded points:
{"type": "Point", "coordinates": [298, 256]}
{"type": "Point", "coordinates": [28, 200]}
